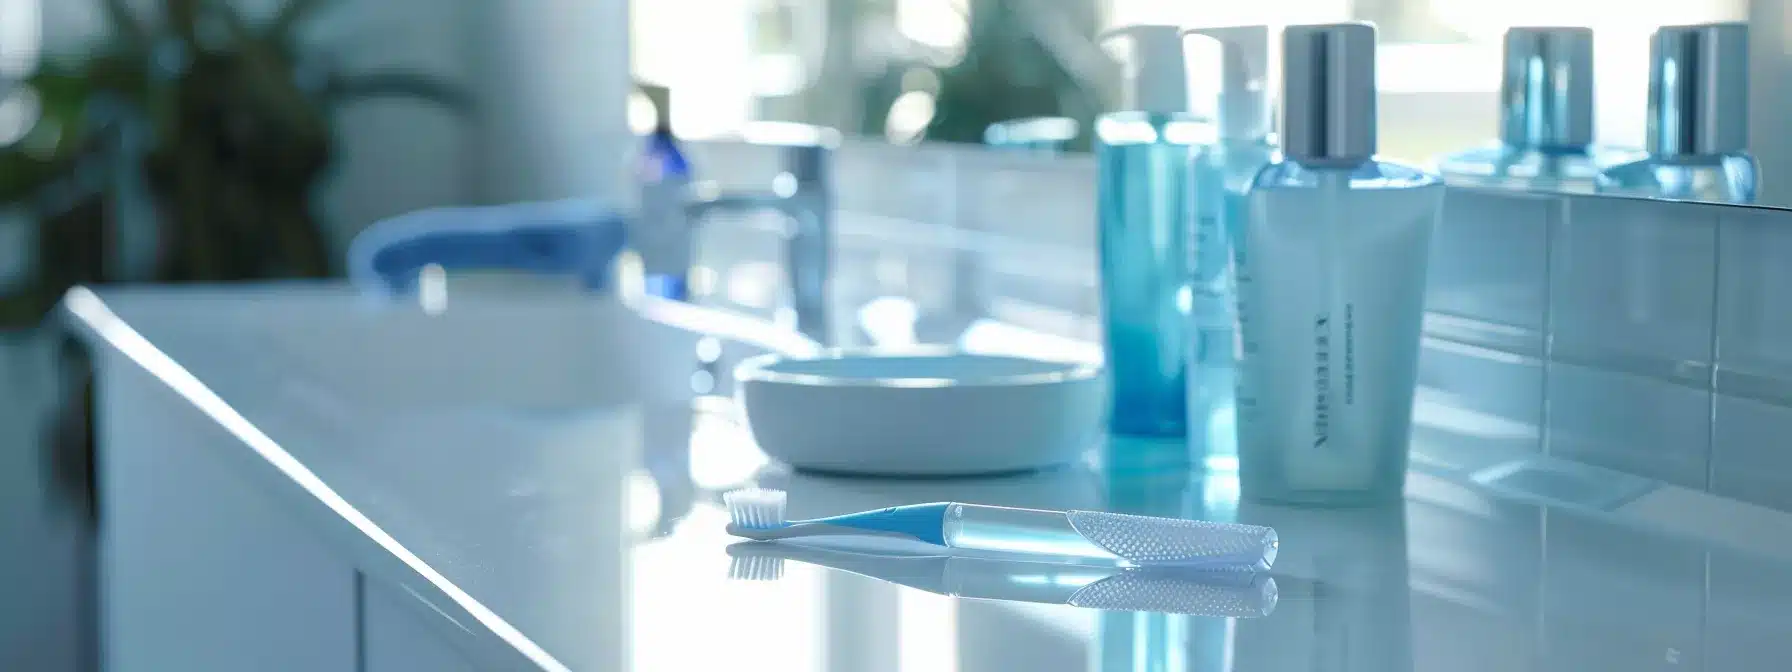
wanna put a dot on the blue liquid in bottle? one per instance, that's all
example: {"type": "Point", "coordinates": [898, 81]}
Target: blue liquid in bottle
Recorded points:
{"type": "Point", "coordinates": [1147, 269]}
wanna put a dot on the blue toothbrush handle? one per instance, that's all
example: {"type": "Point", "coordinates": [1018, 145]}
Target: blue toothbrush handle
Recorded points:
{"type": "Point", "coordinates": [923, 522]}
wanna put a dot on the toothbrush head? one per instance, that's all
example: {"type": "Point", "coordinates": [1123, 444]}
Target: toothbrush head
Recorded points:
{"type": "Point", "coordinates": [752, 567]}
{"type": "Point", "coordinates": [754, 511]}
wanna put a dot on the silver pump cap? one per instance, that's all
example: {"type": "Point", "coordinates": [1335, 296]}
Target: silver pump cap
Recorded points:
{"type": "Point", "coordinates": [1328, 93]}
{"type": "Point", "coordinates": [1698, 90]}
{"type": "Point", "coordinates": [1154, 73]}
{"type": "Point", "coordinates": [1546, 88]}
{"type": "Point", "coordinates": [1244, 82]}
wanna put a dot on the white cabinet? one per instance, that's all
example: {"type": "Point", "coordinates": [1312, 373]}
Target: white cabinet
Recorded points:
{"type": "Point", "coordinates": [398, 636]}
{"type": "Point", "coordinates": [203, 569]}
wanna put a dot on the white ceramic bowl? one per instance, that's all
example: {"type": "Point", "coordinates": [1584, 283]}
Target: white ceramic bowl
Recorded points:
{"type": "Point", "coordinates": [920, 412]}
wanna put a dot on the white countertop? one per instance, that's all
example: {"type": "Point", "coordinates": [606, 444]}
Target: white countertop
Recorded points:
{"type": "Point", "coordinates": [557, 534]}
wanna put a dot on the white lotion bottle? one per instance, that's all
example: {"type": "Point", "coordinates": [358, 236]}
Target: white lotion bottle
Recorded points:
{"type": "Point", "coordinates": [1331, 285]}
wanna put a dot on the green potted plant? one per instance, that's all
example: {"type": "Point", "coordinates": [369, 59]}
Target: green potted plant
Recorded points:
{"type": "Point", "coordinates": [217, 126]}
{"type": "Point", "coordinates": [225, 121]}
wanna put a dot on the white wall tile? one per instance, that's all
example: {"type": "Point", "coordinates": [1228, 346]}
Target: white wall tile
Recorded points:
{"type": "Point", "coordinates": [1632, 286]}
{"type": "Point", "coordinates": [1754, 303]}
{"type": "Point", "coordinates": [1489, 263]}
{"type": "Point", "coordinates": [1032, 198]}
{"type": "Point", "coordinates": [1641, 614]}
{"type": "Point", "coordinates": [1751, 457]}
{"type": "Point", "coordinates": [1475, 399]}
{"type": "Point", "coordinates": [1746, 627]}
{"type": "Point", "coordinates": [1644, 426]}
{"type": "Point", "coordinates": [734, 165]}
{"type": "Point", "coordinates": [907, 183]}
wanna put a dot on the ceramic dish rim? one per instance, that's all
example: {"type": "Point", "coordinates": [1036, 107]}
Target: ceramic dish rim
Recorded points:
{"type": "Point", "coordinates": [758, 369]}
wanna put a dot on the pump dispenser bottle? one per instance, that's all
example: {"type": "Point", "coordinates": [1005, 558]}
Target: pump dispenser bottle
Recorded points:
{"type": "Point", "coordinates": [1146, 153]}
{"type": "Point", "coordinates": [1698, 119]}
{"type": "Point", "coordinates": [1546, 119]}
{"type": "Point", "coordinates": [1331, 284]}
{"type": "Point", "coordinates": [1244, 147]}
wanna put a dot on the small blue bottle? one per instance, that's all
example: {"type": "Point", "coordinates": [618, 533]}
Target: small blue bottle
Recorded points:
{"type": "Point", "coordinates": [1698, 119]}
{"type": "Point", "coordinates": [1546, 119]}
{"type": "Point", "coordinates": [1245, 146]}
{"type": "Point", "coordinates": [1147, 153]}
{"type": "Point", "coordinates": [1331, 287]}
{"type": "Point", "coordinates": [661, 232]}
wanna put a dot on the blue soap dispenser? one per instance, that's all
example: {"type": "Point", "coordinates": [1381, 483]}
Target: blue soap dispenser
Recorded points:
{"type": "Point", "coordinates": [1698, 119]}
{"type": "Point", "coordinates": [1331, 287]}
{"type": "Point", "coordinates": [1546, 119]}
{"type": "Point", "coordinates": [1146, 153]}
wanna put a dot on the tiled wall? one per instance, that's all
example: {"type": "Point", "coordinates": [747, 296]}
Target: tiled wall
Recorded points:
{"type": "Point", "coordinates": [1637, 335]}
{"type": "Point", "coordinates": [1650, 337]}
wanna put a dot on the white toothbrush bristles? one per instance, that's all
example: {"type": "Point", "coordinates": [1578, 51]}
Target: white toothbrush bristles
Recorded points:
{"type": "Point", "coordinates": [755, 508]}
{"type": "Point", "coordinates": [755, 568]}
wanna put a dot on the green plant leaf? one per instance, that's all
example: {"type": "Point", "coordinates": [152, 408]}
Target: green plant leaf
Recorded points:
{"type": "Point", "coordinates": [351, 88]}
{"type": "Point", "coordinates": [183, 18]}
{"type": "Point", "coordinates": [126, 24]}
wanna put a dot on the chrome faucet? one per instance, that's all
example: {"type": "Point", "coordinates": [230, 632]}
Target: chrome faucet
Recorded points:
{"type": "Point", "coordinates": [803, 192]}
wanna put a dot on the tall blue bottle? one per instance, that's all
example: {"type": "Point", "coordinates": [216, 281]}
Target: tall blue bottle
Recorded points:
{"type": "Point", "coordinates": [1147, 153]}
{"type": "Point", "coordinates": [1698, 119]}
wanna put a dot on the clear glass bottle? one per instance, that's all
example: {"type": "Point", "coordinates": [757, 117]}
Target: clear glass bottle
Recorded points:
{"type": "Point", "coordinates": [1698, 120]}
{"type": "Point", "coordinates": [1546, 119]}
{"type": "Point", "coordinates": [1724, 178]}
{"type": "Point", "coordinates": [1504, 166]}
{"type": "Point", "coordinates": [1147, 156]}
{"type": "Point", "coordinates": [1245, 146]}
{"type": "Point", "coordinates": [1331, 286]}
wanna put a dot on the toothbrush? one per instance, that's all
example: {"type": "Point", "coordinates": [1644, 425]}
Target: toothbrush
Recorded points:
{"type": "Point", "coordinates": [1137, 541]}
{"type": "Point", "coordinates": [1222, 593]}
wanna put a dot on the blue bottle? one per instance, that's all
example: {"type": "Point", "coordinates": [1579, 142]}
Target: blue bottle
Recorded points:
{"type": "Point", "coordinates": [1147, 154]}
{"type": "Point", "coordinates": [1331, 286]}
{"type": "Point", "coordinates": [1244, 147]}
{"type": "Point", "coordinates": [661, 233]}
{"type": "Point", "coordinates": [1546, 119]}
{"type": "Point", "coordinates": [1698, 119]}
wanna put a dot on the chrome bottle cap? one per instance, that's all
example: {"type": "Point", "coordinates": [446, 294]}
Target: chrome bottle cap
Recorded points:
{"type": "Point", "coordinates": [1698, 90]}
{"type": "Point", "coordinates": [1546, 88]}
{"type": "Point", "coordinates": [1328, 93]}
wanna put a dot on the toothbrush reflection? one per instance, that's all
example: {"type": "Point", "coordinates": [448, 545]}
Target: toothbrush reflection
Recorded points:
{"type": "Point", "coordinates": [1239, 594]}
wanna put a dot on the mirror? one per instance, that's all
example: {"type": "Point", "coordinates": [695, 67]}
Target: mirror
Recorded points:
{"type": "Point", "coordinates": [1458, 92]}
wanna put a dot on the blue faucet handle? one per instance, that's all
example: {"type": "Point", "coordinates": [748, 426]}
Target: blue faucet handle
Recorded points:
{"type": "Point", "coordinates": [578, 238]}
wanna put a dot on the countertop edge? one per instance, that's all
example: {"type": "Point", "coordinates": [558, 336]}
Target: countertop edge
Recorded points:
{"type": "Point", "coordinates": [372, 550]}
